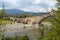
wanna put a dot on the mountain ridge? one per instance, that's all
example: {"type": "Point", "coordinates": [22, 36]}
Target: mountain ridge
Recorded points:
{"type": "Point", "coordinates": [17, 11]}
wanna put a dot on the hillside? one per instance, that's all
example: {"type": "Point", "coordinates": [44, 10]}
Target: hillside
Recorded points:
{"type": "Point", "coordinates": [16, 11]}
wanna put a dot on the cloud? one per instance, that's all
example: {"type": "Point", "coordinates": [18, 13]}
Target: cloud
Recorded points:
{"type": "Point", "coordinates": [35, 9]}
{"type": "Point", "coordinates": [29, 5]}
{"type": "Point", "coordinates": [36, 2]}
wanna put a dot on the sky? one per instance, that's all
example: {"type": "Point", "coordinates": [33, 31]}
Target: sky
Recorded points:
{"type": "Point", "coordinates": [29, 5]}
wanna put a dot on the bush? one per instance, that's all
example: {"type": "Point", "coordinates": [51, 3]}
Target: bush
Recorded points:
{"type": "Point", "coordinates": [16, 38]}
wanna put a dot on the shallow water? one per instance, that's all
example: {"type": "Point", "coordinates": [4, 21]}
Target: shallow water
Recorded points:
{"type": "Point", "coordinates": [20, 29]}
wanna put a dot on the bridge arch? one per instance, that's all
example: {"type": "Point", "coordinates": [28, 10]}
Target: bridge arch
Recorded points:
{"type": "Point", "coordinates": [44, 19]}
{"type": "Point", "coordinates": [51, 14]}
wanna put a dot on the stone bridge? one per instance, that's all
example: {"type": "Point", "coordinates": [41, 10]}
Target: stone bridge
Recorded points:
{"type": "Point", "coordinates": [35, 19]}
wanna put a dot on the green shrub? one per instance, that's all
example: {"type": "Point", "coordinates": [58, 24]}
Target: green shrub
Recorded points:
{"type": "Point", "coordinates": [16, 38]}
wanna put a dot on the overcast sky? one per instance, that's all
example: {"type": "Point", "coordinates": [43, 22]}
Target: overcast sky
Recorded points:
{"type": "Point", "coordinates": [29, 5]}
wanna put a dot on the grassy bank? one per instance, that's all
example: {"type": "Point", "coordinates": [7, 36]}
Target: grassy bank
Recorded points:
{"type": "Point", "coordinates": [3, 22]}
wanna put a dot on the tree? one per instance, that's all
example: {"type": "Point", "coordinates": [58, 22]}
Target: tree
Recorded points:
{"type": "Point", "coordinates": [54, 32]}
{"type": "Point", "coordinates": [2, 12]}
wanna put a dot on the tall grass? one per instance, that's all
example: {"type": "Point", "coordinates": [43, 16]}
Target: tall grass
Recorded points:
{"type": "Point", "coordinates": [16, 38]}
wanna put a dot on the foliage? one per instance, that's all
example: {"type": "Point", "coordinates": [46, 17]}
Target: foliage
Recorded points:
{"type": "Point", "coordinates": [54, 33]}
{"type": "Point", "coordinates": [2, 12]}
{"type": "Point", "coordinates": [24, 15]}
{"type": "Point", "coordinates": [3, 21]}
{"type": "Point", "coordinates": [16, 38]}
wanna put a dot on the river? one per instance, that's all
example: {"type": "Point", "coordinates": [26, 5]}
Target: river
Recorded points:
{"type": "Point", "coordinates": [20, 29]}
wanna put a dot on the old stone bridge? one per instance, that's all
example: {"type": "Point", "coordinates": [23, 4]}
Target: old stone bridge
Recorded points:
{"type": "Point", "coordinates": [34, 19]}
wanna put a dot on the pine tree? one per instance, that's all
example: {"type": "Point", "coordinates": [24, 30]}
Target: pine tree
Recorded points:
{"type": "Point", "coordinates": [2, 12]}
